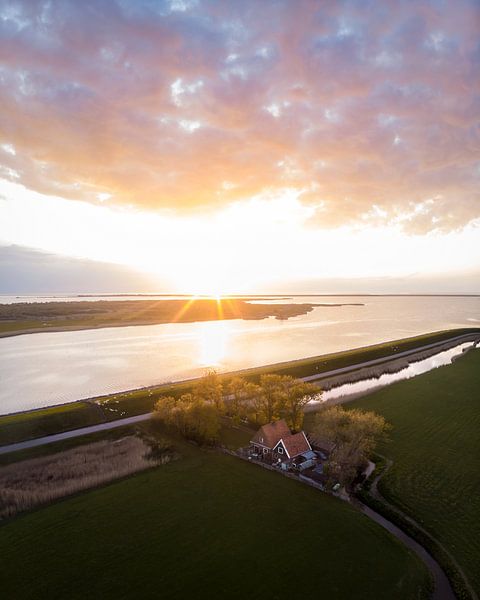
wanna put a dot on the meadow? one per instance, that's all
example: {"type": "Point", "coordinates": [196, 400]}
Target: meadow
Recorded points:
{"type": "Point", "coordinates": [435, 477]}
{"type": "Point", "coordinates": [205, 526]}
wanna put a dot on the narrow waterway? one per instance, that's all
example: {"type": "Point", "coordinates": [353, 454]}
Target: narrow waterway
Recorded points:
{"type": "Point", "coordinates": [412, 370]}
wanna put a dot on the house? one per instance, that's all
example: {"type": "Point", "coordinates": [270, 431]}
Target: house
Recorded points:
{"type": "Point", "coordinates": [268, 436]}
{"type": "Point", "coordinates": [276, 444]}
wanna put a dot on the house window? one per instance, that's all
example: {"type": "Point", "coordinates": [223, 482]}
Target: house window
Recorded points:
{"type": "Point", "coordinates": [280, 450]}
{"type": "Point", "coordinates": [265, 450]}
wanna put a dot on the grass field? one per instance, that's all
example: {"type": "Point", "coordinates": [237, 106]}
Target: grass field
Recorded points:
{"type": "Point", "coordinates": [37, 423]}
{"type": "Point", "coordinates": [28, 425]}
{"type": "Point", "coordinates": [206, 526]}
{"type": "Point", "coordinates": [435, 446]}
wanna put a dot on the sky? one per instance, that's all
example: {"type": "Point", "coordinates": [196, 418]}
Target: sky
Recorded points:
{"type": "Point", "coordinates": [255, 146]}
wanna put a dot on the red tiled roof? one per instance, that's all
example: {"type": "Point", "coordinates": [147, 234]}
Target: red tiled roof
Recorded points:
{"type": "Point", "coordinates": [296, 444]}
{"type": "Point", "coordinates": [271, 433]}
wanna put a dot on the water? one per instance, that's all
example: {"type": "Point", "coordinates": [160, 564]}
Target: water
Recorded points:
{"type": "Point", "coordinates": [5, 299]}
{"type": "Point", "coordinates": [51, 368]}
{"type": "Point", "coordinates": [417, 368]}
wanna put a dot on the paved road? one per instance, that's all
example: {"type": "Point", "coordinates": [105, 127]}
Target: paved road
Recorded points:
{"type": "Point", "coordinates": [49, 439]}
{"type": "Point", "coordinates": [131, 420]}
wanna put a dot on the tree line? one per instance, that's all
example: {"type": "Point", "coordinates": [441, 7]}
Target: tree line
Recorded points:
{"type": "Point", "coordinates": [197, 414]}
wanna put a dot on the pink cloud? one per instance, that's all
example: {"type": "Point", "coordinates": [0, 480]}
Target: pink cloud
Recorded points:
{"type": "Point", "coordinates": [374, 104]}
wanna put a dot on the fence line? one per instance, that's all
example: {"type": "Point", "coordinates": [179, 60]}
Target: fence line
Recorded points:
{"type": "Point", "coordinates": [299, 477]}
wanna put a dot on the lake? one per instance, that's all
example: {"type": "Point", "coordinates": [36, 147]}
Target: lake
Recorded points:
{"type": "Point", "coordinates": [45, 369]}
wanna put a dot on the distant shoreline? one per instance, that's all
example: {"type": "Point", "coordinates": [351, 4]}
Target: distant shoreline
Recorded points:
{"type": "Point", "coordinates": [56, 296]}
{"type": "Point", "coordinates": [40, 317]}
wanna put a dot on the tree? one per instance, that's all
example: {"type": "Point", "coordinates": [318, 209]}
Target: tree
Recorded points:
{"type": "Point", "coordinates": [284, 396]}
{"type": "Point", "coordinates": [271, 395]}
{"type": "Point", "coordinates": [192, 416]}
{"type": "Point", "coordinates": [354, 433]}
{"type": "Point", "coordinates": [203, 421]}
{"type": "Point", "coordinates": [163, 408]}
{"type": "Point", "coordinates": [210, 389]}
{"type": "Point", "coordinates": [241, 396]}
{"type": "Point", "coordinates": [296, 395]}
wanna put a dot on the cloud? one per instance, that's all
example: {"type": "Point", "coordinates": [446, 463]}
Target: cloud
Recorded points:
{"type": "Point", "coordinates": [186, 106]}
{"type": "Point", "coordinates": [28, 271]}
{"type": "Point", "coordinates": [25, 270]}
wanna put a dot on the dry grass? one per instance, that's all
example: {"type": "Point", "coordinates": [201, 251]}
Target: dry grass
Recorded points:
{"type": "Point", "coordinates": [27, 484]}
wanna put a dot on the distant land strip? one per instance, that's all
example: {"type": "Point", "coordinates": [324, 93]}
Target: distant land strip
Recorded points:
{"type": "Point", "coordinates": [35, 317]}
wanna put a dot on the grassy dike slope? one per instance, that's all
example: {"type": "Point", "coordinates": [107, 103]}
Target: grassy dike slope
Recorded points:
{"type": "Point", "coordinates": [206, 526]}
{"type": "Point", "coordinates": [435, 446]}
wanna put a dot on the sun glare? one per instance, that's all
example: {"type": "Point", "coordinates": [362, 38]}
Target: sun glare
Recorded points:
{"type": "Point", "coordinates": [213, 337]}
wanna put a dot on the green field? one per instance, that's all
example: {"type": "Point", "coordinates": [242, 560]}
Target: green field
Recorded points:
{"type": "Point", "coordinates": [435, 446]}
{"type": "Point", "coordinates": [33, 424]}
{"type": "Point", "coordinates": [45, 421]}
{"type": "Point", "coordinates": [206, 526]}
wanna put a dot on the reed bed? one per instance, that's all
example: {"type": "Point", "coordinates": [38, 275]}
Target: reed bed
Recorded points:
{"type": "Point", "coordinates": [30, 483]}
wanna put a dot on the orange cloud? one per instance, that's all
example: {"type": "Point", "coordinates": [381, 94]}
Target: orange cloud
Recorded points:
{"type": "Point", "coordinates": [189, 109]}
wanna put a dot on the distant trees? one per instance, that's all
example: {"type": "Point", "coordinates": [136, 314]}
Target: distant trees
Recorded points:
{"type": "Point", "coordinates": [354, 433]}
{"type": "Point", "coordinates": [197, 414]}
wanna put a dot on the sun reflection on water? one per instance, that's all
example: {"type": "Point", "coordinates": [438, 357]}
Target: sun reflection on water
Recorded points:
{"type": "Point", "coordinates": [213, 338]}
